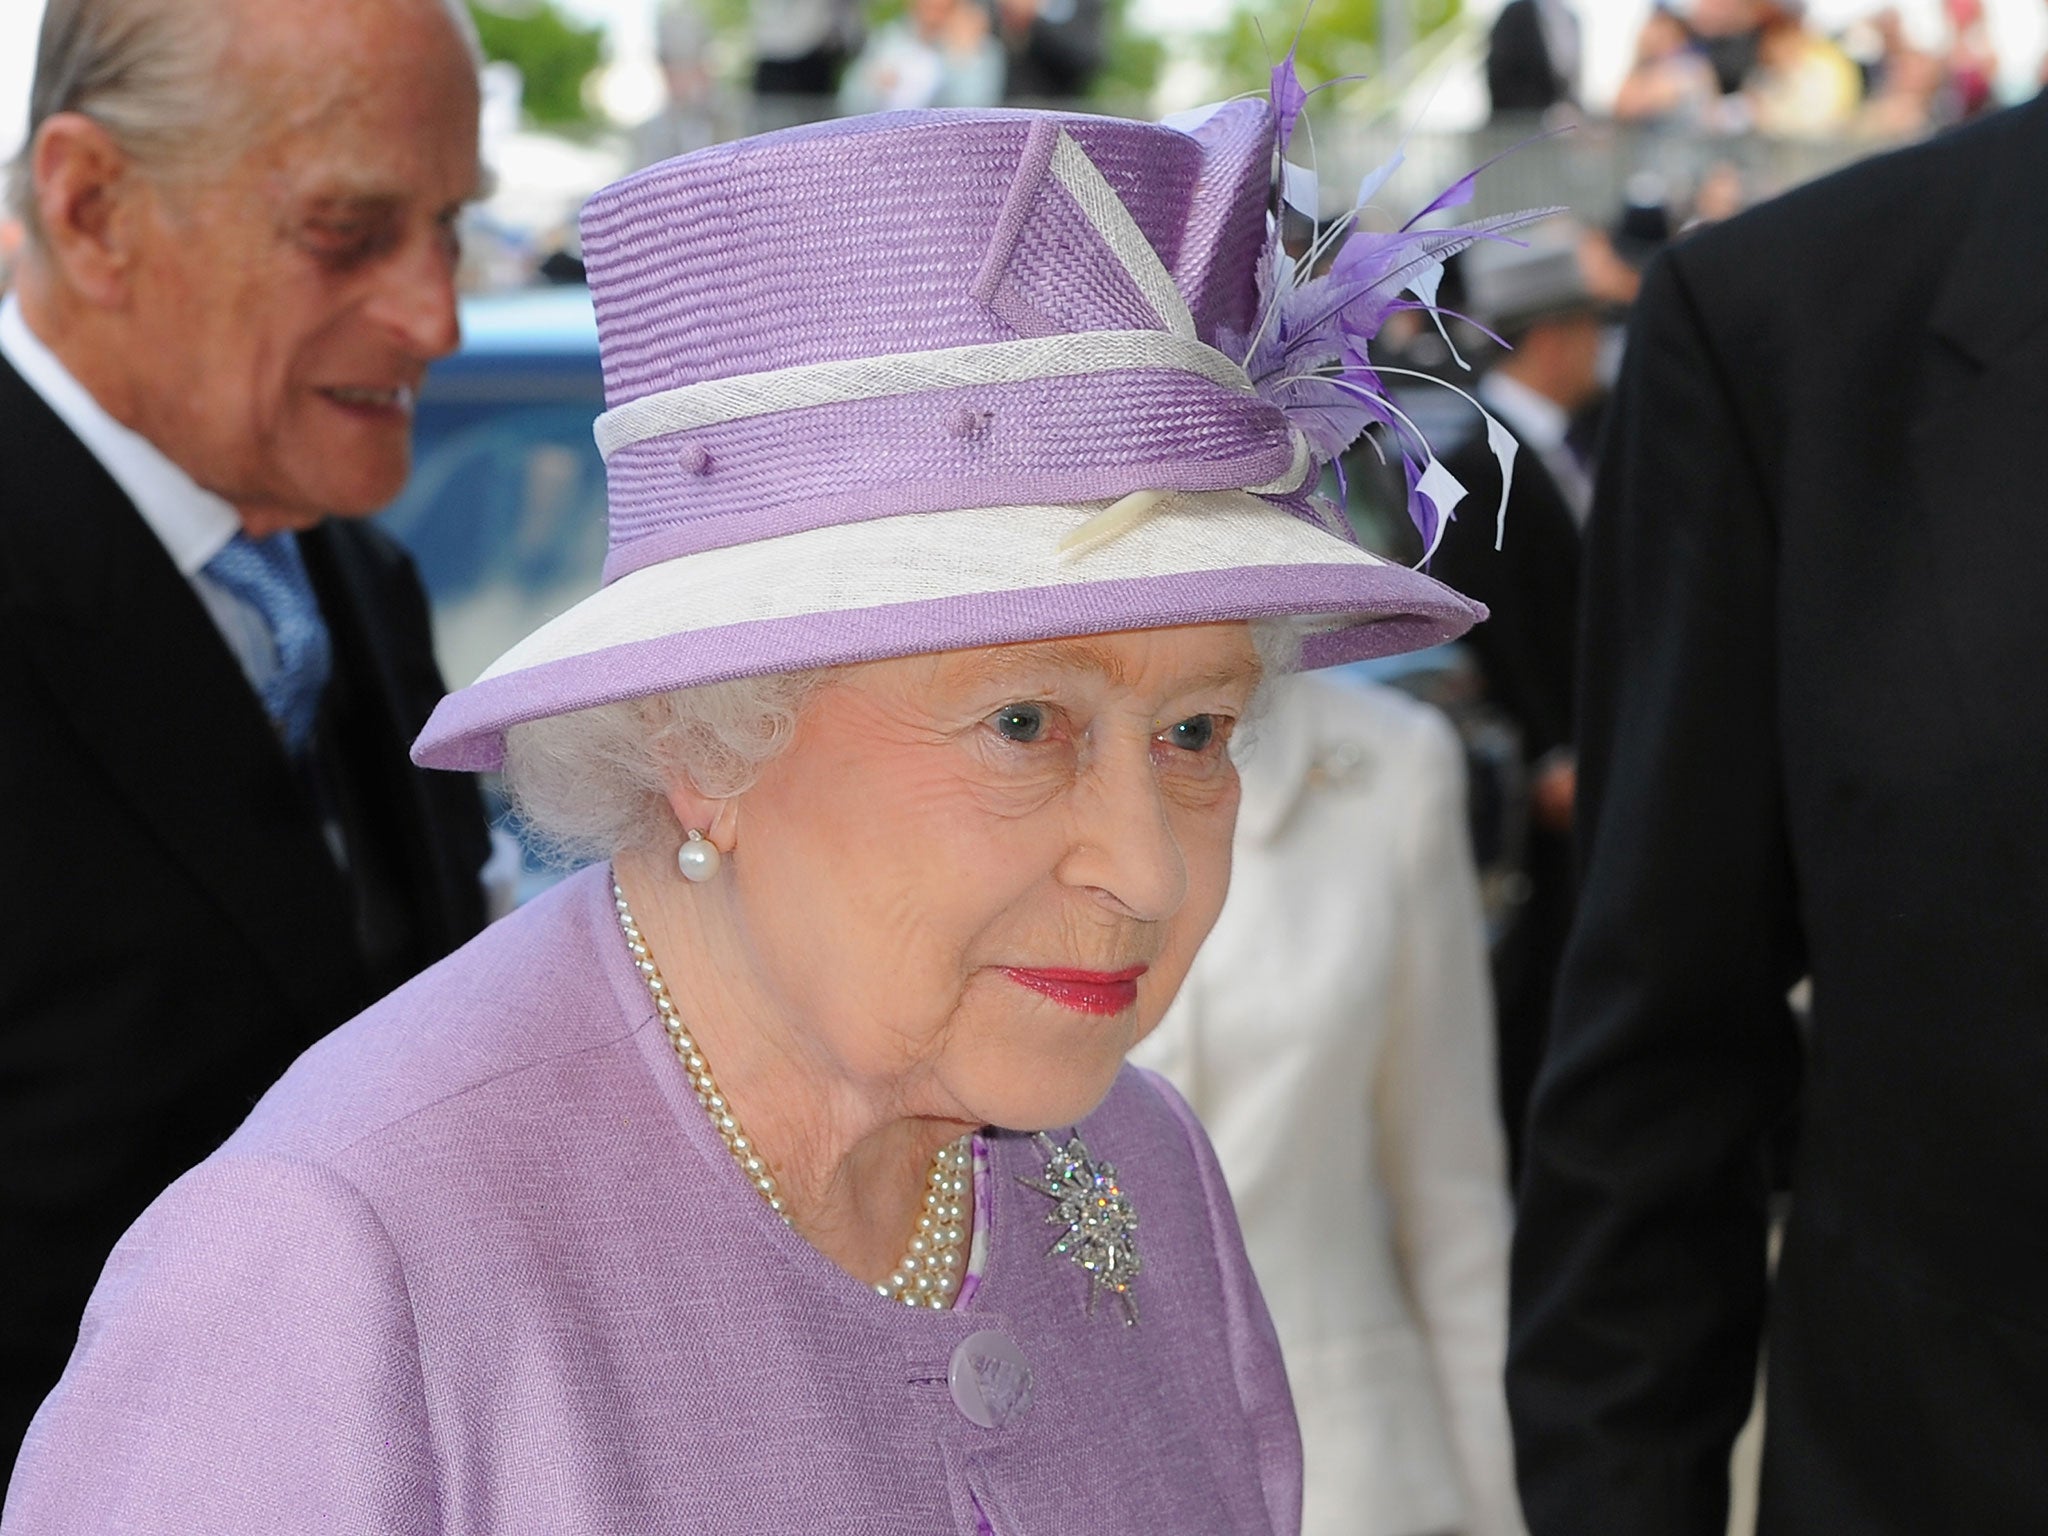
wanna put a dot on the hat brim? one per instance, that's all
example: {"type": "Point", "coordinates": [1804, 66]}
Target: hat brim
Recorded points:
{"type": "Point", "coordinates": [942, 581]}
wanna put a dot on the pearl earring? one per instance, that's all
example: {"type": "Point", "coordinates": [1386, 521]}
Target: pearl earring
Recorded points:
{"type": "Point", "coordinates": [697, 858]}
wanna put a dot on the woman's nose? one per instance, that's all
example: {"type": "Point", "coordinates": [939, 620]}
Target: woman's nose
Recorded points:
{"type": "Point", "coordinates": [1125, 848]}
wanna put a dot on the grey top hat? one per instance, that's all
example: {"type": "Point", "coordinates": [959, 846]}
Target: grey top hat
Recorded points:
{"type": "Point", "coordinates": [1510, 284]}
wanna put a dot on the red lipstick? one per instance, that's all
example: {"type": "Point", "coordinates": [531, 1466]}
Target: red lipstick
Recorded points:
{"type": "Point", "coordinates": [1101, 992]}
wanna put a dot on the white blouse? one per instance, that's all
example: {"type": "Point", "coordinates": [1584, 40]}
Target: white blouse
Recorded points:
{"type": "Point", "coordinates": [1336, 1037]}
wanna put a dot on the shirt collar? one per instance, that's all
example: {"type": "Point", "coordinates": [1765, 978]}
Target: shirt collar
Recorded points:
{"type": "Point", "coordinates": [1539, 421]}
{"type": "Point", "coordinates": [190, 521]}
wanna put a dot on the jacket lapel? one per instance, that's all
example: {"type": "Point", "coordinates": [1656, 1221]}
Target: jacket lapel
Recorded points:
{"type": "Point", "coordinates": [383, 649]}
{"type": "Point", "coordinates": [1980, 464]}
{"type": "Point", "coordinates": [1993, 298]}
{"type": "Point", "coordinates": [1978, 453]}
{"type": "Point", "coordinates": [159, 704]}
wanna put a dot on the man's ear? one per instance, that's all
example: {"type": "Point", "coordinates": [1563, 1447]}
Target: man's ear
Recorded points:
{"type": "Point", "coordinates": [88, 200]}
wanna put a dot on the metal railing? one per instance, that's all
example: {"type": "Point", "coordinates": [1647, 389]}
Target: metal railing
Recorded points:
{"type": "Point", "coordinates": [1584, 168]}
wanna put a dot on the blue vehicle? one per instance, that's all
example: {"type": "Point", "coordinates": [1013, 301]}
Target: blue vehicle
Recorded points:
{"type": "Point", "coordinates": [505, 510]}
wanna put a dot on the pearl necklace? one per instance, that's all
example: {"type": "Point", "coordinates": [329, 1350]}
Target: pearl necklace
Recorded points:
{"type": "Point", "coordinates": [928, 1274]}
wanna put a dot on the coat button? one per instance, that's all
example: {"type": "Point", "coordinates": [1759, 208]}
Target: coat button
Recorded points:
{"type": "Point", "coordinates": [990, 1378]}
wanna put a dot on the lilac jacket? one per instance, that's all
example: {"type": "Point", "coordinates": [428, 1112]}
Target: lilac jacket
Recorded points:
{"type": "Point", "coordinates": [479, 1264]}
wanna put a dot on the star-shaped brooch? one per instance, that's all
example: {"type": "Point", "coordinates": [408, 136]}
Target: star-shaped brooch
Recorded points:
{"type": "Point", "coordinates": [1100, 1224]}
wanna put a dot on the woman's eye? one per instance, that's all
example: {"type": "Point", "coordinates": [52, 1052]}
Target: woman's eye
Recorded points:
{"type": "Point", "coordinates": [1193, 734]}
{"type": "Point", "coordinates": [1019, 722]}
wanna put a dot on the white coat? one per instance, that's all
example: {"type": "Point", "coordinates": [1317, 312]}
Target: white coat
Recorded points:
{"type": "Point", "coordinates": [1336, 1038]}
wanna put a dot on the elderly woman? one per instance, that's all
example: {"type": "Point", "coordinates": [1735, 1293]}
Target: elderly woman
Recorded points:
{"type": "Point", "coordinates": [781, 1172]}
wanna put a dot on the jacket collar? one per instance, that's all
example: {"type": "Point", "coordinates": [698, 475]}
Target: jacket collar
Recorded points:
{"type": "Point", "coordinates": [158, 706]}
{"type": "Point", "coordinates": [1993, 296]}
{"type": "Point", "coordinates": [193, 523]}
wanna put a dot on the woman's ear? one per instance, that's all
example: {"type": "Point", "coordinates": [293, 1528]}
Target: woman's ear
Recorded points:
{"type": "Point", "coordinates": [718, 820]}
{"type": "Point", "coordinates": [87, 199]}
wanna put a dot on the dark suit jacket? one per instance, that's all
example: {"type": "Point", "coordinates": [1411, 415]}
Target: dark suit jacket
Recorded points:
{"type": "Point", "coordinates": [1520, 76]}
{"type": "Point", "coordinates": [1525, 651]}
{"type": "Point", "coordinates": [1528, 645]}
{"type": "Point", "coordinates": [1815, 724]}
{"type": "Point", "coordinates": [173, 927]}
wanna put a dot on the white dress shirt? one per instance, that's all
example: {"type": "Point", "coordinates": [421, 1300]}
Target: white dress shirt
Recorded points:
{"type": "Point", "coordinates": [1540, 424]}
{"type": "Point", "coordinates": [191, 523]}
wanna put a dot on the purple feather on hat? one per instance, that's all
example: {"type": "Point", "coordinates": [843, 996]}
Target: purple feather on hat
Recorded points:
{"type": "Point", "coordinates": [1307, 353]}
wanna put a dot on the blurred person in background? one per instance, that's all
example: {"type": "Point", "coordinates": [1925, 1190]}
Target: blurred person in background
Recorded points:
{"type": "Point", "coordinates": [1052, 48]}
{"type": "Point", "coordinates": [1669, 80]}
{"type": "Point", "coordinates": [1803, 85]}
{"type": "Point", "coordinates": [1335, 1036]}
{"type": "Point", "coordinates": [695, 111]}
{"type": "Point", "coordinates": [1612, 265]}
{"type": "Point", "coordinates": [800, 52]}
{"type": "Point", "coordinates": [1532, 58]}
{"type": "Point", "coordinates": [942, 53]}
{"type": "Point", "coordinates": [1728, 35]}
{"type": "Point", "coordinates": [239, 262]}
{"type": "Point", "coordinates": [1971, 66]}
{"type": "Point", "coordinates": [1692, 66]}
{"type": "Point", "coordinates": [1722, 192]}
{"type": "Point", "coordinates": [1811, 744]}
{"type": "Point", "coordinates": [1544, 297]}
{"type": "Point", "coordinates": [1901, 83]}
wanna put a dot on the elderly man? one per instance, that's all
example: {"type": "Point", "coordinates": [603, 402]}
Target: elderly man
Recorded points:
{"type": "Point", "coordinates": [240, 252]}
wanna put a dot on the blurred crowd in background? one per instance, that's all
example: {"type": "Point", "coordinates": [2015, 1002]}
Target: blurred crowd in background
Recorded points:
{"type": "Point", "coordinates": [1727, 100]}
{"type": "Point", "coordinates": [1721, 67]}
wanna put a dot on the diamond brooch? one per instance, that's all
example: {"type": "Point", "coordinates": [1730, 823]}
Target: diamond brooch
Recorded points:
{"type": "Point", "coordinates": [1099, 1223]}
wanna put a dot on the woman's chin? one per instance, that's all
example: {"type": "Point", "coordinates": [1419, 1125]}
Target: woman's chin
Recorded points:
{"type": "Point", "coordinates": [1049, 1099]}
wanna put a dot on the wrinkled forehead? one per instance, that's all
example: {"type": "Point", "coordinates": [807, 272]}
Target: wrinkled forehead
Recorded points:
{"type": "Point", "coordinates": [1161, 663]}
{"type": "Point", "coordinates": [365, 98]}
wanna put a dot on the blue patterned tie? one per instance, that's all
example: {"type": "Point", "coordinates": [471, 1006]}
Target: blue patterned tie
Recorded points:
{"type": "Point", "coordinates": [270, 576]}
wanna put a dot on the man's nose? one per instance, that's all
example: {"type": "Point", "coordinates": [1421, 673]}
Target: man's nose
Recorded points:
{"type": "Point", "coordinates": [415, 300]}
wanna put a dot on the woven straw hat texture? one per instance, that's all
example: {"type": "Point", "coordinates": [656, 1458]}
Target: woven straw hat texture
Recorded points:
{"type": "Point", "coordinates": [865, 377]}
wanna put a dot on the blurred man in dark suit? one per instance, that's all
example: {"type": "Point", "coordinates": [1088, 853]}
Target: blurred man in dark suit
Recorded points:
{"type": "Point", "coordinates": [240, 259]}
{"type": "Point", "coordinates": [1536, 295]}
{"type": "Point", "coordinates": [1053, 49]}
{"type": "Point", "coordinates": [1532, 57]}
{"type": "Point", "coordinates": [1813, 729]}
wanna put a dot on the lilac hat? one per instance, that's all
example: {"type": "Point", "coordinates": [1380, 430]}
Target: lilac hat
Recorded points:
{"type": "Point", "coordinates": [937, 380]}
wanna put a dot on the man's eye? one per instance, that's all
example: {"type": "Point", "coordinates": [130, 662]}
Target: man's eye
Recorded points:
{"type": "Point", "coordinates": [336, 234]}
{"type": "Point", "coordinates": [1019, 722]}
{"type": "Point", "coordinates": [342, 244]}
{"type": "Point", "coordinates": [1192, 734]}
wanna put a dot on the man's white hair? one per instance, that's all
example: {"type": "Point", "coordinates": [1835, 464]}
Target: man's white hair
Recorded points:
{"type": "Point", "coordinates": [150, 73]}
{"type": "Point", "coordinates": [594, 784]}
